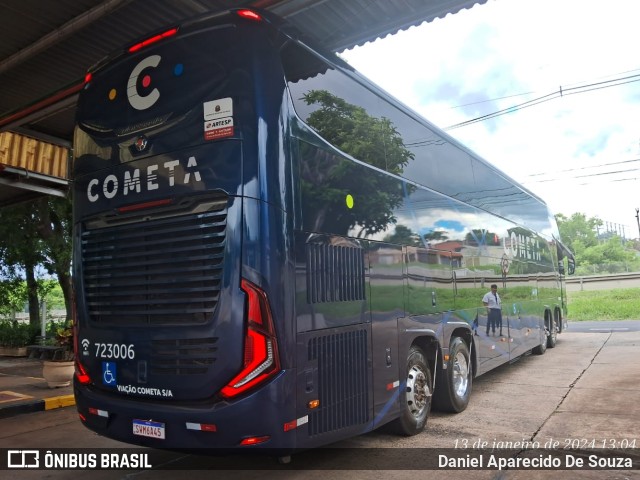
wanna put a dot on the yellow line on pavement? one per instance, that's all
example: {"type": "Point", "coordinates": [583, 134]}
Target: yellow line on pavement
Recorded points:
{"type": "Point", "coordinates": [8, 396]}
{"type": "Point", "coordinates": [57, 402]}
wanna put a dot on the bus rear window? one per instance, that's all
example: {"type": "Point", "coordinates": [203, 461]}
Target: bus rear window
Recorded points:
{"type": "Point", "coordinates": [162, 92]}
{"type": "Point", "coordinates": [157, 84]}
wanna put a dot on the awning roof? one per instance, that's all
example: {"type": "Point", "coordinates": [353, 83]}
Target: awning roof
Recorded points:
{"type": "Point", "coordinates": [46, 47]}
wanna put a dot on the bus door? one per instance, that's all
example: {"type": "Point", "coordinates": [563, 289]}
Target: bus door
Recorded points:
{"type": "Point", "coordinates": [333, 325]}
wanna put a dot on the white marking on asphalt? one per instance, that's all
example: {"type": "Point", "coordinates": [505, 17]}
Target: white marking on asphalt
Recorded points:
{"type": "Point", "coordinates": [607, 329]}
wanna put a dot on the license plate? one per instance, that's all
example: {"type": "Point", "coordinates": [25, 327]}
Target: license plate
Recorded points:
{"type": "Point", "coordinates": [147, 428]}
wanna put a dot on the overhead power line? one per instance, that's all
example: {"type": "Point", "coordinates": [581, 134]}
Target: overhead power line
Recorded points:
{"type": "Point", "coordinates": [600, 174]}
{"type": "Point", "coordinates": [561, 92]}
{"type": "Point", "coordinates": [585, 167]}
{"type": "Point", "coordinates": [558, 176]}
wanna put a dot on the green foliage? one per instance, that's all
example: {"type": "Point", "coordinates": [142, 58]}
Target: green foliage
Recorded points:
{"type": "Point", "coordinates": [578, 228]}
{"type": "Point", "coordinates": [16, 334]}
{"type": "Point", "coordinates": [610, 251]}
{"type": "Point", "coordinates": [53, 327]}
{"type": "Point", "coordinates": [13, 295]}
{"type": "Point", "coordinates": [54, 296]}
{"type": "Point", "coordinates": [594, 256]}
{"type": "Point", "coordinates": [616, 304]}
{"type": "Point", "coordinates": [403, 236]}
{"type": "Point", "coordinates": [351, 129]}
{"type": "Point", "coordinates": [35, 236]}
{"type": "Point", "coordinates": [60, 334]}
{"type": "Point", "coordinates": [326, 176]}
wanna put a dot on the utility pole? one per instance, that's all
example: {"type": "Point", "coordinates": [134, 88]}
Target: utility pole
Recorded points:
{"type": "Point", "coordinates": [638, 220]}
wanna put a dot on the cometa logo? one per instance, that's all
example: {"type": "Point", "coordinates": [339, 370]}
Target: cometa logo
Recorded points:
{"type": "Point", "coordinates": [522, 246]}
{"type": "Point", "coordinates": [147, 179]}
{"type": "Point", "coordinates": [137, 101]}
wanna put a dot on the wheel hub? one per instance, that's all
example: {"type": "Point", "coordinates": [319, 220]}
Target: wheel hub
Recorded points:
{"type": "Point", "coordinates": [418, 392]}
{"type": "Point", "coordinates": [460, 375]}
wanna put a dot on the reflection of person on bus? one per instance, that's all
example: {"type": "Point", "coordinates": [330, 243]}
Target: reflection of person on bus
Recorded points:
{"type": "Point", "coordinates": [492, 301]}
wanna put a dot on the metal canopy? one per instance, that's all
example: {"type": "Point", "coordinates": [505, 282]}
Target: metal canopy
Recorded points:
{"type": "Point", "coordinates": [47, 46]}
{"type": "Point", "coordinates": [19, 185]}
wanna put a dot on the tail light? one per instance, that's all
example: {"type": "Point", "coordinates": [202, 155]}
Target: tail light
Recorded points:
{"type": "Point", "coordinates": [81, 372]}
{"type": "Point", "coordinates": [154, 39]}
{"type": "Point", "coordinates": [261, 361]}
{"type": "Point", "coordinates": [249, 14]}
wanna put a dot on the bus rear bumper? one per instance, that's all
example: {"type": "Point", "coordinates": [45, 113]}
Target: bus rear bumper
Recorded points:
{"type": "Point", "coordinates": [255, 422]}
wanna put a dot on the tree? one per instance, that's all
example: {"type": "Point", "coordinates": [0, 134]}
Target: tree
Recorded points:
{"type": "Point", "coordinates": [33, 235]}
{"type": "Point", "coordinates": [435, 236]}
{"type": "Point", "coordinates": [578, 228]}
{"type": "Point", "coordinates": [20, 250]}
{"type": "Point", "coordinates": [482, 237]}
{"type": "Point", "coordinates": [327, 177]}
{"type": "Point", "coordinates": [12, 295]}
{"type": "Point", "coordinates": [403, 236]}
{"type": "Point", "coordinates": [55, 231]}
{"type": "Point", "coordinates": [579, 233]}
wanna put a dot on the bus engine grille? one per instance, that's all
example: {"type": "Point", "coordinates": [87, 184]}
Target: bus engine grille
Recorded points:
{"type": "Point", "coordinates": [334, 273]}
{"type": "Point", "coordinates": [183, 356]}
{"type": "Point", "coordinates": [343, 387]}
{"type": "Point", "coordinates": [161, 271]}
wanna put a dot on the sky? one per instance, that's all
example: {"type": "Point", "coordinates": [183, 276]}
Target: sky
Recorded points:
{"type": "Point", "coordinates": [572, 69]}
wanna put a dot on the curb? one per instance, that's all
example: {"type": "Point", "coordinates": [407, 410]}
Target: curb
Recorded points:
{"type": "Point", "coordinates": [37, 405]}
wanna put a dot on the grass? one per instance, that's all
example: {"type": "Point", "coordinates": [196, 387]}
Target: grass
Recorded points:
{"type": "Point", "coordinates": [616, 304]}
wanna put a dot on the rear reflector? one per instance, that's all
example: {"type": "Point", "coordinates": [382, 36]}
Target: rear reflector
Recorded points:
{"type": "Point", "coordinates": [100, 413]}
{"type": "Point", "coordinates": [202, 427]}
{"type": "Point", "coordinates": [254, 440]}
{"type": "Point", "coordinates": [296, 423]}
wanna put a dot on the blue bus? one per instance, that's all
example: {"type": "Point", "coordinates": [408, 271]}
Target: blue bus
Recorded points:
{"type": "Point", "coordinates": [270, 252]}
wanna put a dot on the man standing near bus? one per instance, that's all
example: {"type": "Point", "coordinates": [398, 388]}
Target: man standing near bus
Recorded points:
{"type": "Point", "coordinates": [492, 301]}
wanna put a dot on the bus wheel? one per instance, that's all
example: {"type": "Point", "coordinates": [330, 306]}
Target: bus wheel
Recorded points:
{"type": "Point", "coordinates": [540, 349]}
{"type": "Point", "coordinates": [416, 402]}
{"type": "Point", "coordinates": [454, 383]}
{"type": "Point", "coordinates": [552, 338]}
{"type": "Point", "coordinates": [560, 322]}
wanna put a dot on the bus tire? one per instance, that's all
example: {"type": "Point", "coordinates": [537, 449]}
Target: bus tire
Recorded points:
{"type": "Point", "coordinates": [552, 338]}
{"type": "Point", "coordinates": [416, 401]}
{"type": "Point", "coordinates": [453, 384]}
{"type": "Point", "coordinates": [540, 349]}
{"type": "Point", "coordinates": [560, 323]}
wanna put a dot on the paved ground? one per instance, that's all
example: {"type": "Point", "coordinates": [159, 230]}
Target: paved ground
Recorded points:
{"type": "Point", "coordinates": [23, 390]}
{"type": "Point", "coordinates": [586, 389]}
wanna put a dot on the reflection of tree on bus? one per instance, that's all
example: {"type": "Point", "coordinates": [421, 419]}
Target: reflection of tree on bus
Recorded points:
{"type": "Point", "coordinates": [369, 139]}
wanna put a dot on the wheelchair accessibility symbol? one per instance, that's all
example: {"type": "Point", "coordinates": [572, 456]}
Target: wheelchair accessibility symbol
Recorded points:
{"type": "Point", "coordinates": [109, 373]}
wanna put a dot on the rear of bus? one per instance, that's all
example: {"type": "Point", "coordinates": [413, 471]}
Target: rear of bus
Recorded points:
{"type": "Point", "coordinates": [180, 265]}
